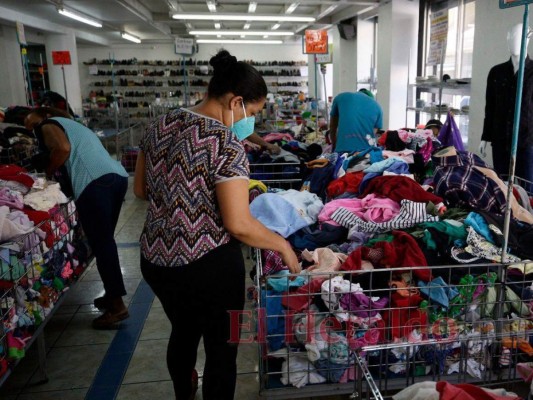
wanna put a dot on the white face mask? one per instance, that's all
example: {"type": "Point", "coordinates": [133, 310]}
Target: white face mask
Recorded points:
{"type": "Point", "coordinates": [244, 127]}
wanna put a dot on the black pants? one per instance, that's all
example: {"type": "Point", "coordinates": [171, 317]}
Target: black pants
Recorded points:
{"type": "Point", "coordinates": [196, 298]}
{"type": "Point", "coordinates": [99, 208]}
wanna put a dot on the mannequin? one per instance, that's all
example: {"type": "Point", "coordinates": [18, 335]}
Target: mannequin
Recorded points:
{"type": "Point", "coordinates": [499, 110]}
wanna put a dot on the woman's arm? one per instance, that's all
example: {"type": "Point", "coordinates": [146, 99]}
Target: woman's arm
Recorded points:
{"type": "Point", "coordinates": [232, 198]}
{"type": "Point", "coordinates": [139, 180]}
{"type": "Point", "coordinates": [57, 142]}
{"type": "Point", "coordinates": [258, 140]}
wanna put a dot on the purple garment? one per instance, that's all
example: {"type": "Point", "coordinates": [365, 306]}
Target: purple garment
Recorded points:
{"type": "Point", "coordinates": [11, 198]}
{"type": "Point", "coordinates": [271, 262]}
{"type": "Point", "coordinates": [450, 135]}
{"type": "Point", "coordinates": [362, 305]}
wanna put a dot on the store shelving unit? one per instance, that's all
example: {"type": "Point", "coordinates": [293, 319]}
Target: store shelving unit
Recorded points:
{"type": "Point", "coordinates": [140, 83]}
{"type": "Point", "coordinates": [433, 100]}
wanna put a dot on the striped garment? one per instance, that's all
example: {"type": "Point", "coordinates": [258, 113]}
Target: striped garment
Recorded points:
{"type": "Point", "coordinates": [88, 159]}
{"type": "Point", "coordinates": [410, 214]}
{"type": "Point", "coordinates": [187, 154]}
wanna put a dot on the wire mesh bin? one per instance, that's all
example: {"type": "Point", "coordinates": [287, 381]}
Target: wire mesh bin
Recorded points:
{"type": "Point", "coordinates": [277, 175]}
{"type": "Point", "coordinates": [371, 333]}
{"type": "Point", "coordinates": [36, 269]}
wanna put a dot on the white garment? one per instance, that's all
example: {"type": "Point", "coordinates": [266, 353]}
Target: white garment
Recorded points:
{"type": "Point", "coordinates": [11, 229]}
{"type": "Point", "coordinates": [419, 391]}
{"type": "Point", "coordinates": [307, 204]}
{"type": "Point", "coordinates": [297, 371]}
{"type": "Point", "coordinates": [44, 200]}
{"type": "Point", "coordinates": [334, 288]}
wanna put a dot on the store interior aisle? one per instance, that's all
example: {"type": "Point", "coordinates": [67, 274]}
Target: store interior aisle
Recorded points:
{"type": "Point", "coordinates": [128, 364]}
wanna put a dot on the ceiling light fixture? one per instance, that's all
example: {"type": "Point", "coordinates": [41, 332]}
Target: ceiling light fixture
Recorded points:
{"type": "Point", "coordinates": [239, 41]}
{"type": "Point", "coordinates": [246, 26]}
{"type": "Point", "coordinates": [247, 33]}
{"type": "Point", "coordinates": [129, 37]}
{"type": "Point", "coordinates": [327, 11]}
{"type": "Point", "coordinates": [275, 26]}
{"type": "Point", "coordinates": [79, 17]}
{"type": "Point", "coordinates": [217, 25]}
{"type": "Point", "coordinates": [291, 8]}
{"type": "Point", "coordinates": [252, 6]}
{"type": "Point", "coordinates": [243, 36]}
{"type": "Point", "coordinates": [242, 17]}
{"type": "Point", "coordinates": [211, 6]}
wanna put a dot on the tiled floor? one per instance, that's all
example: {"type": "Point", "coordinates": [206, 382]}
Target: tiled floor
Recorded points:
{"type": "Point", "coordinates": [75, 351]}
{"type": "Point", "coordinates": [77, 355]}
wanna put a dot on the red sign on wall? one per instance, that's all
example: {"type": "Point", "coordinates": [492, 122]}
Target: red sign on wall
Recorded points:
{"type": "Point", "coordinates": [61, 57]}
{"type": "Point", "coordinates": [316, 41]}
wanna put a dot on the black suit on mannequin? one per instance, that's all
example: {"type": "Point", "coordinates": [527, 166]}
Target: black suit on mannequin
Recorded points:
{"type": "Point", "coordinates": [499, 114]}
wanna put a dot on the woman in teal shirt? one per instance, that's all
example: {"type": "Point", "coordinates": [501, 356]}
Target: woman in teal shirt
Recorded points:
{"type": "Point", "coordinates": [99, 185]}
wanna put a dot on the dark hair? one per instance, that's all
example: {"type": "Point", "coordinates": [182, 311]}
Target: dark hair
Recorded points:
{"type": "Point", "coordinates": [49, 112]}
{"type": "Point", "coordinates": [237, 77]}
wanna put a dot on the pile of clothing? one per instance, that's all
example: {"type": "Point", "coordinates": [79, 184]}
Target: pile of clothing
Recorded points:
{"type": "Point", "coordinates": [376, 238]}
{"type": "Point", "coordinates": [17, 144]}
{"type": "Point", "coordinates": [41, 253]}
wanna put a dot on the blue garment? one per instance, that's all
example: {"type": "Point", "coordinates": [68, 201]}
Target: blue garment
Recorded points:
{"type": "Point", "coordinates": [277, 214]}
{"type": "Point", "coordinates": [281, 282]}
{"type": "Point", "coordinates": [275, 319]}
{"type": "Point", "coordinates": [313, 237]}
{"type": "Point", "coordinates": [479, 224]}
{"type": "Point", "coordinates": [358, 116]}
{"type": "Point", "coordinates": [438, 291]}
{"type": "Point", "coordinates": [88, 159]}
{"type": "Point", "coordinates": [331, 371]}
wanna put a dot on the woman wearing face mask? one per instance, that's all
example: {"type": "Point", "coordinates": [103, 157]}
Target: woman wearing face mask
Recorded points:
{"type": "Point", "coordinates": [193, 170]}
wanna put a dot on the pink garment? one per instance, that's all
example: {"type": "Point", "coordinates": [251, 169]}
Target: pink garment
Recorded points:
{"type": "Point", "coordinates": [426, 150]}
{"type": "Point", "coordinates": [371, 208]}
{"type": "Point", "coordinates": [271, 137]}
{"type": "Point", "coordinates": [349, 375]}
{"type": "Point", "coordinates": [406, 155]}
{"type": "Point", "coordinates": [325, 260]}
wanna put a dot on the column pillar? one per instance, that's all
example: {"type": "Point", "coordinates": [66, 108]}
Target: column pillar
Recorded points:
{"type": "Point", "coordinates": [64, 42]}
{"type": "Point", "coordinates": [397, 39]}
{"type": "Point", "coordinates": [344, 64]}
{"type": "Point", "coordinates": [12, 86]}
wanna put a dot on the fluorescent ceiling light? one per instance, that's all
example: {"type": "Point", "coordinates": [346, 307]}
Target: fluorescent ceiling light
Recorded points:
{"type": "Point", "coordinates": [252, 6]}
{"type": "Point", "coordinates": [79, 17]}
{"type": "Point", "coordinates": [327, 11]}
{"type": "Point", "coordinates": [217, 25]}
{"type": "Point", "coordinates": [246, 26]}
{"type": "Point", "coordinates": [242, 17]}
{"type": "Point", "coordinates": [239, 41]}
{"type": "Point", "coordinates": [265, 37]}
{"type": "Point", "coordinates": [243, 36]}
{"type": "Point", "coordinates": [129, 37]}
{"type": "Point", "coordinates": [275, 26]}
{"type": "Point", "coordinates": [211, 6]}
{"type": "Point", "coordinates": [247, 33]}
{"type": "Point", "coordinates": [291, 8]}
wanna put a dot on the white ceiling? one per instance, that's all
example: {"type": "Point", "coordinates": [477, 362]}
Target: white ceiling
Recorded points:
{"type": "Point", "coordinates": [151, 21]}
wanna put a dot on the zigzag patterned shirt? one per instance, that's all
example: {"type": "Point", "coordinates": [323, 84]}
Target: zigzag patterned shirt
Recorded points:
{"type": "Point", "coordinates": [187, 154]}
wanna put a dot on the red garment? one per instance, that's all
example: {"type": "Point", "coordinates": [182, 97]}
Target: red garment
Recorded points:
{"type": "Point", "coordinates": [398, 188]}
{"type": "Point", "coordinates": [466, 391]}
{"type": "Point", "coordinates": [348, 183]}
{"type": "Point", "coordinates": [406, 317]}
{"type": "Point", "coordinates": [15, 173]}
{"type": "Point", "coordinates": [402, 252]}
{"type": "Point", "coordinates": [383, 139]}
{"type": "Point", "coordinates": [39, 216]}
{"type": "Point", "coordinates": [300, 299]}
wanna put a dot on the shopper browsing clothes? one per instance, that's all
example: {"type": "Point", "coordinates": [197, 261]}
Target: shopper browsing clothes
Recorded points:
{"type": "Point", "coordinates": [354, 120]}
{"type": "Point", "coordinates": [99, 185]}
{"type": "Point", "coordinates": [193, 170]}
